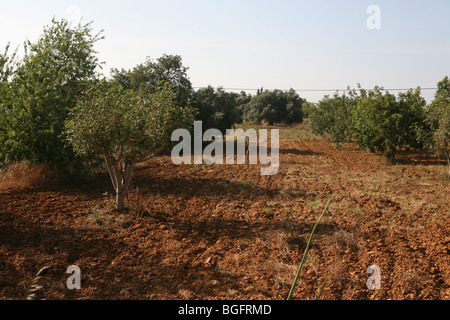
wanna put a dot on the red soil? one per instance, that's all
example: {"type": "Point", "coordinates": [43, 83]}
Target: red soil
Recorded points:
{"type": "Point", "coordinates": [226, 232]}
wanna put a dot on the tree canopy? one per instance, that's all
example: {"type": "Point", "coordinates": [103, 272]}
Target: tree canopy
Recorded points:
{"type": "Point", "coordinates": [149, 75]}
{"type": "Point", "coordinates": [216, 108]}
{"type": "Point", "coordinates": [274, 107]}
{"type": "Point", "coordinates": [438, 117]}
{"type": "Point", "coordinates": [126, 127]}
{"type": "Point", "coordinates": [332, 117]}
{"type": "Point", "coordinates": [384, 122]}
{"type": "Point", "coordinates": [43, 86]}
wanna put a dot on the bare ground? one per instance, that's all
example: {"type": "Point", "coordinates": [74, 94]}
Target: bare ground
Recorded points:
{"type": "Point", "coordinates": [226, 232]}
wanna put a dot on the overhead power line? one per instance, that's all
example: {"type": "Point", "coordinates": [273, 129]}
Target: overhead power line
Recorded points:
{"type": "Point", "coordinates": [318, 90]}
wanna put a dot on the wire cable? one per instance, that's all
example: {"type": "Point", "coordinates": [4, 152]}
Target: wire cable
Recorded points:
{"type": "Point", "coordinates": [317, 90]}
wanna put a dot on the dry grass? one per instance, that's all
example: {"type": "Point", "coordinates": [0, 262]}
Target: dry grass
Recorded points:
{"type": "Point", "coordinates": [298, 132]}
{"type": "Point", "coordinates": [23, 175]}
{"type": "Point", "coordinates": [410, 281]}
{"type": "Point", "coordinates": [338, 276]}
{"type": "Point", "coordinates": [284, 273]}
{"type": "Point", "coordinates": [186, 294]}
{"type": "Point", "coordinates": [36, 290]}
{"type": "Point", "coordinates": [341, 244]}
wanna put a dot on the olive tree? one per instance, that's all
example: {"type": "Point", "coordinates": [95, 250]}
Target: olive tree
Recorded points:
{"type": "Point", "coordinates": [274, 107]}
{"type": "Point", "coordinates": [149, 75]}
{"type": "Point", "coordinates": [126, 127]}
{"type": "Point", "coordinates": [217, 108]}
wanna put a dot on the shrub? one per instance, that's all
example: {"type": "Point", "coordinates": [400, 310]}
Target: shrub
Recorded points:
{"type": "Point", "coordinates": [384, 122]}
{"type": "Point", "coordinates": [308, 108]}
{"type": "Point", "coordinates": [44, 85]}
{"type": "Point", "coordinates": [274, 107]}
{"type": "Point", "coordinates": [126, 128]}
{"type": "Point", "coordinates": [437, 138]}
{"type": "Point", "coordinates": [216, 108]}
{"type": "Point", "coordinates": [23, 175]}
{"type": "Point", "coordinates": [333, 117]}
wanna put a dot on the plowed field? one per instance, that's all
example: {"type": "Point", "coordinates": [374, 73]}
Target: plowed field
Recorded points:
{"type": "Point", "coordinates": [226, 232]}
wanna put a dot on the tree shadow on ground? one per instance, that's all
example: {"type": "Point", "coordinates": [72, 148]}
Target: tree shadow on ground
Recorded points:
{"type": "Point", "coordinates": [189, 188]}
{"type": "Point", "coordinates": [40, 245]}
{"type": "Point", "coordinates": [91, 190]}
{"type": "Point", "coordinates": [300, 152]}
{"type": "Point", "coordinates": [211, 235]}
{"type": "Point", "coordinates": [415, 158]}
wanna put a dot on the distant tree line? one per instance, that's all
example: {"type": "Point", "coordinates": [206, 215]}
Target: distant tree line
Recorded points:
{"type": "Point", "coordinates": [57, 110]}
{"type": "Point", "coordinates": [216, 107]}
{"type": "Point", "coordinates": [57, 81]}
{"type": "Point", "coordinates": [38, 91]}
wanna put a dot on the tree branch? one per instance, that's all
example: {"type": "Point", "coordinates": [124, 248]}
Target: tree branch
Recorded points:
{"type": "Point", "coordinates": [148, 156]}
{"type": "Point", "coordinates": [127, 176]}
{"type": "Point", "coordinates": [112, 174]}
{"type": "Point", "coordinates": [113, 160]}
{"type": "Point", "coordinates": [121, 154]}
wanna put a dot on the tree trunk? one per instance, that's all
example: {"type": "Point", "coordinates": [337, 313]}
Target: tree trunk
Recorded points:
{"type": "Point", "coordinates": [448, 159]}
{"type": "Point", "coordinates": [120, 201]}
{"type": "Point", "coordinates": [390, 153]}
{"type": "Point", "coordinates": [121, 179]}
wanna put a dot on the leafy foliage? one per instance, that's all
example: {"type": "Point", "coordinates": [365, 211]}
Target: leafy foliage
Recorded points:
{"type": "Point", "coordinates": [384, 122]}
{"type": "Point", "coordinates": [47, 82]}
{"type": "Point", "coordinates": [216, 108]}
{"type": "Point", "coordinates": [6, 65]}
{"type": "Point", "coordinates": [373, 119]}
{"type": "Point", "coordinates": [438, 117]}
{"type": "Point", "coordinates": [125, 124]}
{"type": "Point", "coordinates": [148, 76]}
{"type": "Point", "coordinates": [126, 127]}
{"type": "Point", "coordinates": [6, 72]}
{"type": "Point", "coordinates": [333, 117]}
{"type": "Point", "coordinates": [308, 109]}
{"type": "Point", "coordinates": [274, 107]}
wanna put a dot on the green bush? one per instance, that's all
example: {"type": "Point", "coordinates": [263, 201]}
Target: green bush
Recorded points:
{"type": "Point", "coordinates": [308, 108]}
{"type": "Point", "coordinates": [437, 139]}
{"type": "Point", "coordinates": [125, 127]}
{"type": "Point", "coordinates": [216, 108]}
{"type": "Point", "coordinates": [333, 117]}
{"type": "Point", "coordinates": [151, 75]}
{"type": "Point", "coordinates": [42, 88]}
{"type": "Point", "coordinates": [372, 119]}
{"type": "Point", "coordinates": [384, 122]}
{"type": "Point", "coordinates": [274, 107]}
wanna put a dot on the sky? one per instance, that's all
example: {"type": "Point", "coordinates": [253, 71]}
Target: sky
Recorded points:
{"type": "Point", "coordinates": [250, 44]}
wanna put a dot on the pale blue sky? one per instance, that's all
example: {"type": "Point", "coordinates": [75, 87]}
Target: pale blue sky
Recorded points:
{"type": "Point", "coordinates": [321, 44]}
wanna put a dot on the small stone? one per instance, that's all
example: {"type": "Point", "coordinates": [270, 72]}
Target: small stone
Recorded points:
{"type": "Point", "coordinates": [124, 292]}
{"type": "Point", "coordinates": [215, 282]}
